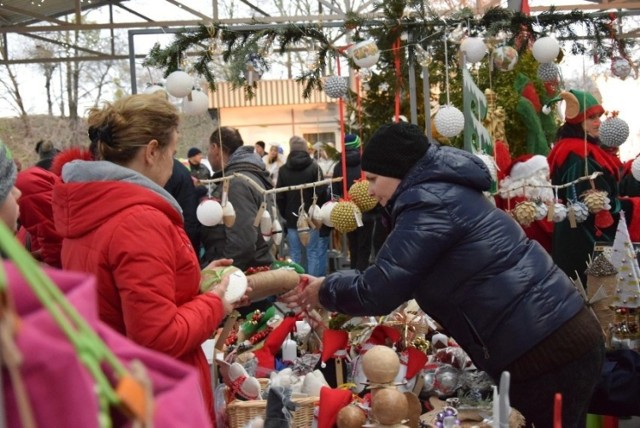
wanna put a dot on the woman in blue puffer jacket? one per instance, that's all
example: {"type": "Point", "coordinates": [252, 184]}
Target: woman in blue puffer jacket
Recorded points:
{"type": "Point", "coordinates": [470, 267]}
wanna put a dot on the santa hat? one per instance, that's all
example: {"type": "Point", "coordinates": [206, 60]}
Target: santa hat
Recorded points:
{"type": "Point", "coordinates": [415, 361]}
{"type": "Point", "coordinates": [332, 342]}
{"type": "Point", "coordinates": [331, 401]}
{"type": "Point", "coordinates": [526, 166]}
{"type": "Point", "coordinates": [382, 334]}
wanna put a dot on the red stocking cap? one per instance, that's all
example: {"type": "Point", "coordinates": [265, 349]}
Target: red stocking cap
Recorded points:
{"type": "Point", "coordinates": [382, 333]}
{"type": "Point", "coordinates": [273, 342]}
{"type": "Point", "coordinates": [333, 341]}
{"type": "Point", "coordinates": [416, 359]}
{"type": "Point", "coordinates": [331, 401]}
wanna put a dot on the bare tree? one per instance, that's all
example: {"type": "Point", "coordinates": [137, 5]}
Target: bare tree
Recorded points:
{"type": "Point", "coordinates": [12, 89]}
{"type": "Point", "coordinates": [45, 52]}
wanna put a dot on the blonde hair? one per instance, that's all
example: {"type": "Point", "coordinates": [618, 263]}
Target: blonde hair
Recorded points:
{"type": "Point", "coordinates": [122, 127]}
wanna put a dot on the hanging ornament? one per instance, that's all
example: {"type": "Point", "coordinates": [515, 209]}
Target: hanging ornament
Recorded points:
{"type": "Point", "coordinates": [620, 67]}
{"type": "Point", "coordinates": [635, 168]}
{"type": "Point", "coordinates": [276, 227]}
{"type": "Point", "coordinates": [325, 213]}
{"type": "Point", "coordinates": [422, 56]}
{"type": "Point", "coordinates": [580, 211]}
{"type": "Point", "coordinates": [546, 49]}
{"type": "Point", "coordinates": [228, 215]}
{"type": "Point", "coordinates": [474, 49]}
{"type": "Point", "coordinates": [548, 72]}
{"type": "Point", "coordinates": [336, 86]}
{"type": "Point", "coordinates": [266, 225]}
{"type": "Point", "coordinates": [179, 84]}
{"type": "Point", "coordinates": [365, 54]}
{"type": "Point", "coordinates": [346, 216]}
{"type": "Point", "coordinates": [359, 193]}
{"type": "Point", "coordinates": [614, 131]}
{"type": "Point", "coordinates": [152, 88]}
{"type": "Point", "coordinates": [525, 213]}
{"type": "Point", "coordinates": [315, 215]}
{"type": "Point", "coordinates": [449, 121]}
{"type": "Point", "coordinates": [541, 210]}
{"type": "Point", "coordinates": [504, 58]}
{"type": "Point", "coordinates": [559, 212]}
{"type": "Point", "coordinates": [365, 75]}
{"type": "Point", "coordinates": [209, 212]}
{"type": "Point", "coordinates": [596, 200]}
{"type": "Point", "coordinates": [302, 226]}
{"type": "Point", "coordinates": [196, 103]}
{"type": "Point", "coordinates": [254, 68]}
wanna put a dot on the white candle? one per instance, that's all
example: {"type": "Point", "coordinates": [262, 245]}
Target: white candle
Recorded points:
{"type": "Point", "coordinates": [289, 350]}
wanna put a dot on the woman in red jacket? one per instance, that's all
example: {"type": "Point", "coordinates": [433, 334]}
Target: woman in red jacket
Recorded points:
{"type": "Point", "coordinates": [118, 223]}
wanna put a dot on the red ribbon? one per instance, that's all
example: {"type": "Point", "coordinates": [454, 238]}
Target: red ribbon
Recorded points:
{"type": "Point", "coordinates": [396, 56]}
{"type": "Point", "coordinates": [344, 147]}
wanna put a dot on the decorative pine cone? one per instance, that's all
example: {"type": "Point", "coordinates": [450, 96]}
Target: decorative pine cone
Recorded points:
{"type": "Point", "coordinates": [541, 211]}
{"type": "Point", "coordinates": [580, 211]}
{"type": "Point", "coordinates": [614, 132]}
{"type": "Point", "coordinates": [548, 72]}
{"type": "Point", "coordinates": [595, 200]}
{"type": "Point", "coordinates": [559, 212]}
{"type": "Point", "coordinates": [336, 86]}
{"type": "Point", "coordinates": [343, 216]}
{"type": "Point", "coordinates": [525, 213]}
{"type": "Point", "coordinates": [359, 193]}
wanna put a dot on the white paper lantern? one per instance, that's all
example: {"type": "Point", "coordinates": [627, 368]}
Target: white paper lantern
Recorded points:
{"type": "Point", "coordinates": [546, 49]}
{"type": "Point", "coordinates": [620, 67]}
{"type": "Point", "coordinates": [504, 58]}
{"type": "Point", "coordinates": [209, 212]}
{"type": "Point", "coordinates": [199, 104]}
{"type": "Point", "coordinates": [449, 121]}
{"type": "Point", "coordinates": [365, 54]}
{"type": "Point", "coordinates": [474, 49]}
{"type": "Point", "coordinates": [336, 86]}
{"type": "Point", "coordinates": [179, 84]}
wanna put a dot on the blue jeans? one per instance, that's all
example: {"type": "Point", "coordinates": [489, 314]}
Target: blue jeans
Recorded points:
{"type": "Point", "coordinates": [317, 257]}
{"type": "Point", "coordinates": [313, 258]}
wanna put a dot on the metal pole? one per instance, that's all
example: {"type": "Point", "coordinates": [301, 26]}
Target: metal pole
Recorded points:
{"type": "Point", "coordinates": [413, 100]}
{"type": "Point", "coordinates": [426, 93]}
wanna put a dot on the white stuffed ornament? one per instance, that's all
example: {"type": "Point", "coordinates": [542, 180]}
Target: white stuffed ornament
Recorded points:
{"type": "Point", "coordinates": [276, 227]}
{"type": "Point", "coordinates": [197, 105]}
{"type": "Point", "coordinates": [449, 121]}
{"type": "Point", "coordinates": [152, 88]}
{"type": "Point", "coordinates": [545, 49]}
{"type": "Point", "coordinates": [635, 168]}
{"type": "Point", "coordinates": [474, 49]}
{"type": "Point", "coordinates": [336, 86]}
{"type": "Point", "coordinates": [228, 215]}
{"type": "Point", "coordinates": [179, 84]}
{"type": "Point", "coordinates": [209, 212]}
{"type": "Point", "coordinates": [559, 212]}
{"type": "Point", "coordinates": [315, 215]}
{"type": "Point", "coordinates": [365, 54]}
{"type": "Point", "coordinates": [325, 212]}
{"type": "Point", "coordinates": [614, 131]}
{"type": "Point", "coordinates": [266, 225]}
{"type": "Point", "coordinates": [620, 67]}
{"type": "Point", "coordinates": [541, 211]}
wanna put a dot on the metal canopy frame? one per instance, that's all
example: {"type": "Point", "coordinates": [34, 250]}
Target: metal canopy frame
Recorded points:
{"type": "Point", "coordinates": [38, 19]}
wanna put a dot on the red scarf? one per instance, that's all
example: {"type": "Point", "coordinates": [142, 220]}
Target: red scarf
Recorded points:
{"type": "Point", "coordinates": [563, 148]}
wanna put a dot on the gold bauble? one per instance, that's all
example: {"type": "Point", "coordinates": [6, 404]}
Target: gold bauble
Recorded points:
{"type": "Point", "coordinates": [343, 216]}
{"type": "Point", "coordinates": [359, 193]}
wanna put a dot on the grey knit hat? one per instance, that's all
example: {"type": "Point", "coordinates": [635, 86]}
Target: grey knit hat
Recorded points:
{"type": "Point", "coordinates": [297, 144]}
{"type": "Point", "coordinates": [8, 171]}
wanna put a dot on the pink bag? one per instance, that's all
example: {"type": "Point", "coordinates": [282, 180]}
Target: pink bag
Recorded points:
{"type": "Point", "coordinates": [61, 390]}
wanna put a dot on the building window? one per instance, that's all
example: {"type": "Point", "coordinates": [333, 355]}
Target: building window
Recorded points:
{"type": "Point", "coordinates": [320, 137]}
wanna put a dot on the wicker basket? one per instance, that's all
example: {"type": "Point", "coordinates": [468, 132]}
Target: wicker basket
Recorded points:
{"type": "Point", "coordinates": [240, 413]}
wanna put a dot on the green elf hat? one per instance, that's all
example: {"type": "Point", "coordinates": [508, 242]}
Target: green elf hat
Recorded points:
{"type": "Point", "coordinates": [580, 106]}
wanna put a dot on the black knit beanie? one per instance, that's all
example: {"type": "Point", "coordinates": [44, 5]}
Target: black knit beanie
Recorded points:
{"type": "Point", "coordinates": [394, 149]}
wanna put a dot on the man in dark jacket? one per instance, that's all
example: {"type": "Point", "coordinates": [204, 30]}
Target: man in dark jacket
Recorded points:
{"type": "Point", "coordinates": [300, 168]}
{"type": "Point", "coordinates": [242, 242]}
{"type": "Point", "coordinates": [471, 267]}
